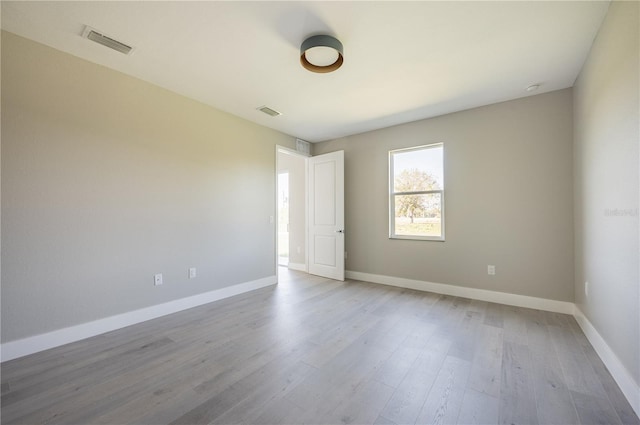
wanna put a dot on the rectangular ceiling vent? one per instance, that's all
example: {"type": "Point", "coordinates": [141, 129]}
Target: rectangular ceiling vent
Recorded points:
{"type": "Point", "coordinates": [106, 41]}
{"type": "Point", "coordinates": [269, 111]}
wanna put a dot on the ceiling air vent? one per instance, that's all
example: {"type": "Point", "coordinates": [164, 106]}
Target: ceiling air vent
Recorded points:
{"type": "Point", "coordinates": [269, 111]}
{"type": "Point", "coordinates": [303, 146]}
{"type": "Point", "coordinates": [106, 41]}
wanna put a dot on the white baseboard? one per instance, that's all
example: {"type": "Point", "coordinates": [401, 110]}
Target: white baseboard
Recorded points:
{"type": "Point", "coordinates": [464, 292]}
{"type": "Point", "coordinates": [623, 378]}
{"type": "Point", "coordinates": [298, 266]}
{"type": "Point", "coordinates": [23, 347]}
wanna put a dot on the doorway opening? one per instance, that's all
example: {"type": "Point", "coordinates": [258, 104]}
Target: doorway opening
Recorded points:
{"type": "Point", "coordinates": [310, 213]}
{"type": "Point", "coordinates": [291, 209]}
{"type": "Point", "coordinates": [283, 219]}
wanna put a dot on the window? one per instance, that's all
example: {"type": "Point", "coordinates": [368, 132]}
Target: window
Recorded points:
{"type": "Point", "coordinates": [416, 193]}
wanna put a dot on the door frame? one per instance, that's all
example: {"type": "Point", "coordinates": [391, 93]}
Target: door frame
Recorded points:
{"type": "Point", "coordinates": [288, 151]}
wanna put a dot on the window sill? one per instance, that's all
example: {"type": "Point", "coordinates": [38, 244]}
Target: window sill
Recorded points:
{"type": "Point", "coordinates": [417, 238]}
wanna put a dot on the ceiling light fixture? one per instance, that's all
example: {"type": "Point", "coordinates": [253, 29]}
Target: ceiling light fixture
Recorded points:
{"type": "Point", "coordinates": [321, 53]}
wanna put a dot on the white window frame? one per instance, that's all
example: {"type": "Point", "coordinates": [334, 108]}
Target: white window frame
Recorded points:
{"type": "Point", "coordinates": [392, 195]}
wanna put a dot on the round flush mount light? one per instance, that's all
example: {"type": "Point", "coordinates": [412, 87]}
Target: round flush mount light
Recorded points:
{"type": "Point", "coordinates": [321, 53]}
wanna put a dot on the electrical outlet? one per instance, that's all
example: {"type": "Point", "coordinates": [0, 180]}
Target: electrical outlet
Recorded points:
{"type": "Point", "coordinates": [491, 270]}
{"type": "Point", "coordinates": [192, 273]}
{"type": "Point", "coordinates": [157, 279]}
{"type": "Point", "coordinates": [586, 288]}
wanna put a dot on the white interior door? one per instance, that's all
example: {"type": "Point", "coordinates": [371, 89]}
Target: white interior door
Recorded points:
{"type": "Point", "coordinates": [326, 215]}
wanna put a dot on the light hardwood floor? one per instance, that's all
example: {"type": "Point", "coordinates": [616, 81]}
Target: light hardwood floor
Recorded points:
{"type": "Point", "coordinates": [311, 350]}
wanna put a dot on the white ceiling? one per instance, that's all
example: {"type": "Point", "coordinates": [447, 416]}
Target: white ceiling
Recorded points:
{"type": "Point", "coordinates": [404, 61]}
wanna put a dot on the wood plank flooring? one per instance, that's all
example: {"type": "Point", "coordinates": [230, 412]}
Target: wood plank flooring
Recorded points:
{"type": "Point", "coordinates": [316, 351]}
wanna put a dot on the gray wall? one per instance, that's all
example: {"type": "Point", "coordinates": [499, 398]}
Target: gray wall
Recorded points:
{"type": "Point", "coordinates": [107, 180]}
{"type": "Point", "coordinates": [295, 166]}
{"type": "Point", "coordinates": [607, 185]}
{"type": "Point", "coordinates": [508, 195]}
